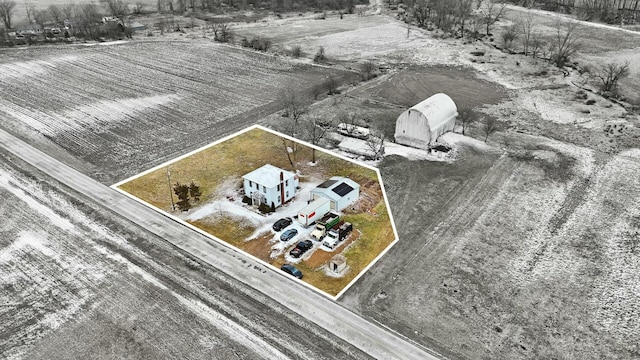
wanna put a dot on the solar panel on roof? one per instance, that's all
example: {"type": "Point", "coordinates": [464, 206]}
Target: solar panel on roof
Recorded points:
{"type": "Point", "coordinates": [342, 189]}
{"type": "Point", "coordinates": [327, 184]}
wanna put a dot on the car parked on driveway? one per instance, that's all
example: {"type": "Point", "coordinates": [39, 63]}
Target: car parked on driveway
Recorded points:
{"type": "Point", "coordinates": [288, 235]}
{"type": "Point", "coordinates": [291, 270]}
{"type": "Point", "coordinates": [282, 223]}
{"type": "Point", "coordinates": [301, 248]}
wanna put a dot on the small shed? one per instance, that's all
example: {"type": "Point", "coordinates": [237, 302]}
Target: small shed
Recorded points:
{"type": "Point", "coordinates": [338, 264]}
{"type": "Point", "coordinates": [421, 125]}
{"type": "Point", "coordinates": [340, 191]}
{"type": "Point", "coordinates": [270, 185]}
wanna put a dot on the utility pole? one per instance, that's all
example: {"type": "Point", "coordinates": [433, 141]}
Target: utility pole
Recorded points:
{"type": "Point", "coordinates": [173, 206]}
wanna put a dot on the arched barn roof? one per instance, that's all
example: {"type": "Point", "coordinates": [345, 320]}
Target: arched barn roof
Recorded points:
{"type": "Point", "coordinates": [438, 109]}
{"type": "Point", "coordinates": [421, 125]}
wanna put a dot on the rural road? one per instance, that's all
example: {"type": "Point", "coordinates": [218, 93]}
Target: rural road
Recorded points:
{"type": "Point", "coordinates": [374, 340]}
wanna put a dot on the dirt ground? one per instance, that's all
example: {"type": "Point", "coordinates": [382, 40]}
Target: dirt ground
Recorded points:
{"type": "Point", "coordinates": [503, 247]}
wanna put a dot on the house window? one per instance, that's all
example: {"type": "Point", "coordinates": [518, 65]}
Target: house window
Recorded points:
{"type": "Point", "coordinates": [257, 186]}
{"type": "Point", "coordinates": [279, 200]}
{"type": "Point", "coordinates": [264, 189]}
{"type": "Point", "coordinates": [286, 183]}
{"type": "Point", "coordinates": [287, 195]}
{"type": "Point", "coordinates": [278, 188]}
{"type": "Point", "coordinates": [250, 184]}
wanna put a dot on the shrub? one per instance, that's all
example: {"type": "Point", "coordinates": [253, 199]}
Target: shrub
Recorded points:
{"type": "Point", "coordinates": [296, 51]}
{"type": "Point", "coordinates": [477, 53]}
{"type": "Point", "coordinates": [590, 102]}
{"type": "Point", "coordinates": [246, 200]}
{"type": "Point", "coordinates": [264, 208]}
{"type": "Point", "coordinates": [320, 56]}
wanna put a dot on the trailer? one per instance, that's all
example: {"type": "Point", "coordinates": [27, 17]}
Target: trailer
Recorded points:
{"type": "Point", "coordinates": [337, 234]}
{"type": "Point", "coordinates": [324, 225]}
{"type": "Point", "coordinates": [314, 211]}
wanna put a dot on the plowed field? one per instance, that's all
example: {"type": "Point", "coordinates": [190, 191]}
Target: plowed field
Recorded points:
{"type": "Point", "coordinates": [128, 106]}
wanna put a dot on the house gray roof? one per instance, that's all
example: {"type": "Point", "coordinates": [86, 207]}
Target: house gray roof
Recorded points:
{"type": "Point", "coordinates": [268, 175]}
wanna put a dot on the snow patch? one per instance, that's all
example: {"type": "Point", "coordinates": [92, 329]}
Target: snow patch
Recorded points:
{"type": "Point", "coordinates": [93, 117]}
{"type": "Point", "coordinates": [233, 330]}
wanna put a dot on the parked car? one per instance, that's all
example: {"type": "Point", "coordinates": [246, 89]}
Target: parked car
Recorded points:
{"type": "Point", "coordinates": [288, 235]}
{"type": "Point", "coordinates": [291, 270]}
{"type": "Point", "coordinates": [282, 223]}
{"type": "Point", "coordinates": [301, 248]}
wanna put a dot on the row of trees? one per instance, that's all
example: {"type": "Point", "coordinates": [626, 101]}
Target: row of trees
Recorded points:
{"type": "Point", "coordinates": [611, 11]}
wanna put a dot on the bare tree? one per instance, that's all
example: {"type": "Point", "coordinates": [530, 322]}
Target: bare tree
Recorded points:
{"type": "Point", "coordinates": [509, 35]}
{"type": "Point", "coordinates": [6, 12]}
{"type": "Point", "coordinates": [88, 16]}
{"type": "Point", "coordinates": [462, 11]}
{"type": "Point", "coordinates": [527, 26]}
{"type": "Point", "coordinates": [466, 118]}
{"type": "Point", "coordinates": [610, 74]}
{"type": "Point", "coordinates": [489, 126]}
{"type": "Point", "coordinates": [294, 108]}
{"type": "Point", "coordinates": [314, 130]}
{"type": "Point", "coordinates": [29, 9]}
{"type": "Point", "coordinates": [68, 11]}
{"type": "Point", "coordinates": [139, 7]}
{"type": "Point", "coordinates": [40, 17]}
{"type": "Point", "coordinates": [492, 14]}
{"type": "Point", "coordinates": [367, 69]}
{"type": "Point", "coordinates": [55, 14]}
{"type": "Point", "coordinates": [421, 12]}
{"type": "Point", "coordinates": [331, 84]}
{"type": "Point", "coordinates": [117, 8]}
{"type": "Point", "coordinates": [375, 142]}
{"type": "Point", "coordinates": [349, 119]}
{"type": "Point", "coordinates": [565, 42]}
{"type": "Point", "coordinates": [537, 44]}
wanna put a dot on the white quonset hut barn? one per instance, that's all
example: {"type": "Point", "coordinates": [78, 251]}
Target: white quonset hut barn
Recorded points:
{"type": "Point", "coordinates": [340, 191]}
{"type": "Point", "coordinates": [270, 185]}
{"type": "Point", "coordinates": [421, 125]}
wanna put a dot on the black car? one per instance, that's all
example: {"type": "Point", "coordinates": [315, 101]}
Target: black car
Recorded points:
{"type": "Point", "coordinates": [301, 248]}
{"type": "Point", "coordinates": [291, 270]}
{"type": "Point", "coordinates": [282, 223]}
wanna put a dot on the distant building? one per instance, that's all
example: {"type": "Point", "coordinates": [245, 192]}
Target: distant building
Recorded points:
{"type": "Point", "coordinates": [29, 29]}
{"type": "Point", "coordinates": [421, 125]}
{"type": "Point", "coordinates": [340, 191]}
{"type": "Point", "coordinates": [270, 185]}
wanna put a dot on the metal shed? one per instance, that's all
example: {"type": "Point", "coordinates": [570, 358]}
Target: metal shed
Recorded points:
{"type": "Point", "coordinates": [421, 125]}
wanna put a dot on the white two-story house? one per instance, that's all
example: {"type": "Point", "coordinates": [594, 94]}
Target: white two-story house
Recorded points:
{"type": "Point", "coordinates": [270, 185]}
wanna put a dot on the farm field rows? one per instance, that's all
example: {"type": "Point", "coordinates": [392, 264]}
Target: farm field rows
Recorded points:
{"type": "Point", "coordinates": [123, 107]}
{"type": "Point", "coordinates": [519, 256]}
{"type": "Point", "coordinates": [78, 282]}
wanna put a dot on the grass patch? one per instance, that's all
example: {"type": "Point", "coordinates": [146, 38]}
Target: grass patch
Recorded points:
{"type": "Point", "coordinates": [235, 157]}
{"type": "Point", "coordinates": [232, 231]}
{"type": "Point", "coordinates": [377, 234]}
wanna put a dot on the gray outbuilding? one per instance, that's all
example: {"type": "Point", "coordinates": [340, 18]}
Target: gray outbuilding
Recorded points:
{"type": "Point", "coordinates": [421, 125]}
{"type": "Point", "coordinates": [340, 191]}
